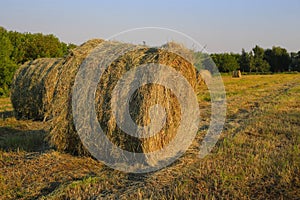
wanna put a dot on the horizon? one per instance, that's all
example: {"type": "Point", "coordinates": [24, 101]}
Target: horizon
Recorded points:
{"type": "Point", "coordinates": [220, 26]}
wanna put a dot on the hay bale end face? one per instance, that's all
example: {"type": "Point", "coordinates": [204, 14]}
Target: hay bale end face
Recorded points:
{"type": "Point", "coordinates": [33, 87]}
{"type": "Point", "coordinates": [63, 134]}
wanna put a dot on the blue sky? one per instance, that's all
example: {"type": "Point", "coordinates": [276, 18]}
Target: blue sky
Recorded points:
{"type": "Point", "coordinates": [224, 26]}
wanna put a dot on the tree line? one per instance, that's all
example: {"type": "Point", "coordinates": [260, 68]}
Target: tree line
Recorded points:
{"type": "Point", "coordinates": [17, 48]}
{"type": "Point", "coordinates": [258, 60]}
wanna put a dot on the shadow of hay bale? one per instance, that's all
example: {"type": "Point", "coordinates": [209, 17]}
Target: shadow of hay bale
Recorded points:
{"type": "Point", "coordinates": [28, 140]}
{"type": "Point", "coordinates": [6, 114]}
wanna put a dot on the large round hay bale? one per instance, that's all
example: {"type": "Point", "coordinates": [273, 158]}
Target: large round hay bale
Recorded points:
{"type": "Point", "coordinates": [63, 133]}
{"type": "Point", "coordinates": [33, 86]}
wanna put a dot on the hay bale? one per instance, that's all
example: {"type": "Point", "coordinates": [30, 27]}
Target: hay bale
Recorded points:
{"type": "Point", "coordinates": [180, 49]}
{"type": "Point", "coordinates": [237, 74]}
{"type": "Point", "coordinates": [33, 87]}
{"type": "Point", "coordinates": [63, 134]}
{"type": "Point", "coordinates": [203, 76]}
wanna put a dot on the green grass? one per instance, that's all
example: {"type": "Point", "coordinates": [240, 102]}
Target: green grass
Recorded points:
{"type": "Point", "coordinates": [257, 157]}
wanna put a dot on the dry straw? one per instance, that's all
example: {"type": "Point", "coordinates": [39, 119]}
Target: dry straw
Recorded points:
{"type": "Point", "coordinates": [63, 134]}
{"type": "Point", "coordinates": [33, 87]}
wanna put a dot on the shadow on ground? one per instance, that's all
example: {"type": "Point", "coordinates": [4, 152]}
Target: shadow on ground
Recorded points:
{"type": "Point", "coordinates": [6, 114]}
{"type": "Point", "coordinates": [12, 139]}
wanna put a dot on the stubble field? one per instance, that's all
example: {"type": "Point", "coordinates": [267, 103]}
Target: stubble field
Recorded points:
{"type": "Point", "coordinates": [257, 157]}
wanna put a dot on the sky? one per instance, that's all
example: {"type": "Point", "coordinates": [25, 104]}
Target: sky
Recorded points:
{"type": "Point", "coordinates": [219, 25]}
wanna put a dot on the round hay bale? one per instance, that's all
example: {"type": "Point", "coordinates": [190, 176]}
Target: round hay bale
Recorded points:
{"type": "Point", "coordinates": [63, 134]}
{"type": "Point", "coordinates": [180, 49]}
{"type": "Point", "coordinates": [203, 76]}
{"type": "Point", "coordinates": [237, 74]}
{"type": "Point", "coordinates": [33, 87]}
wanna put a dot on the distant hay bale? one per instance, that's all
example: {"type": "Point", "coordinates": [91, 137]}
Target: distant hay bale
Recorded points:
{"type": "Point", "coordinates": [237, 74]}
{"type": "Point", "coordinates": [33, 87]}
{"type": "Point", "coordinates": [203, 76]}
{"type": "Point", "coordinates": [63, 134]}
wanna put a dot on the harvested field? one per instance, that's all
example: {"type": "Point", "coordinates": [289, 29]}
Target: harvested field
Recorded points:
{"type": "Point", "coordinates": [256, 158]}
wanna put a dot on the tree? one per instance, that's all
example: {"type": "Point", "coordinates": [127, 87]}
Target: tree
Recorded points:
{"type": "Point", "coordinates": [278, 58]}
{"type": "Point", "coordinates": [226, 62]}
{"type": "Point", "coordinates": [258, 63]}
{"type": "Point", "coordinates": [217, 59]}
{"type": "Point", "coordinates": [7, 66]}
{"type": "Point", "coordinates": [18, 40]}
{"type": "Point", "coordinates": [17, 48]}
{"type": "Point", "coordinates": [295, 61]}
{"type": "Point", "coordinates": [40, 46]}
{"type": "Point", "coordinates": [245, 61]}
{"type": "Point", "coordinates": [230, 63]}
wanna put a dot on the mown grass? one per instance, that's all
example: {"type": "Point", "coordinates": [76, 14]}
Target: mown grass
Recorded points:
{"type": "Point", "coordinates": [257, 157]}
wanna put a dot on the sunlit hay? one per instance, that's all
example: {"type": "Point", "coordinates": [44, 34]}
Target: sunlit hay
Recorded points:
{"type": "Point", "coordinates": [143, 99]}
{"type": "Point", "coordinates": [63, 134]}
{"type": "Point", "coordinates": [181, 50]}
{"type": "Point", "coordinates": [33, 87]}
